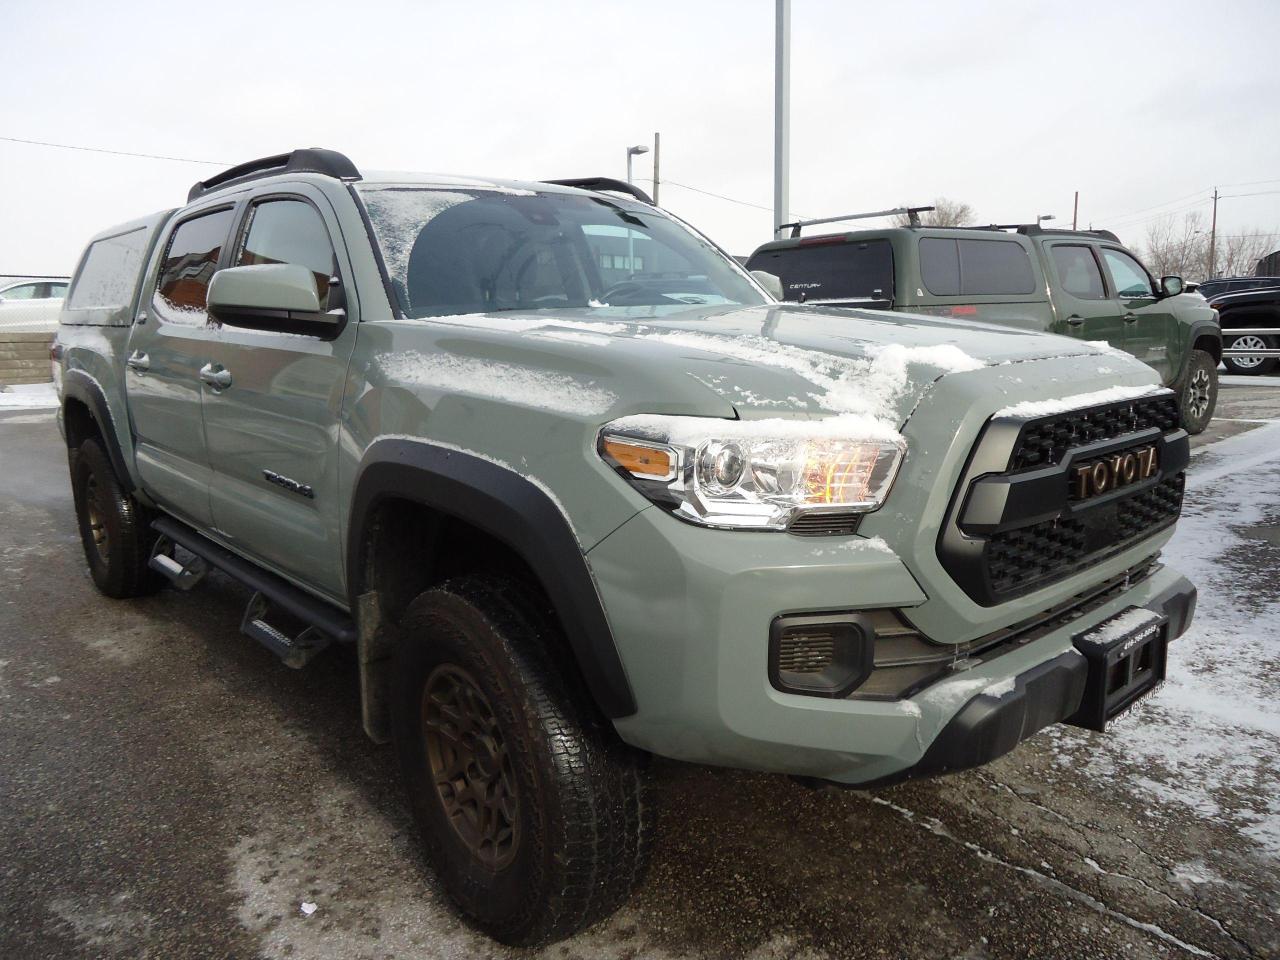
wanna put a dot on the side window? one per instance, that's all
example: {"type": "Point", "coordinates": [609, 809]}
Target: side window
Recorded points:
{"type": "Point", "coordinates": [290, 231]}
{"type": "Point", "coordinates": [975, 268]}
{"type": "Point", "coordinates": [56, 290]}
{"type": "Point", "coordinates": [1127, 274]}
{"type": "Point", "coordinates": [189, 264]}
{"type": "Point", "coordinates": [27, 291]}
{"type": "Point", "coordinates": [109, 273]}
{"type": "Point", "coordinates": [940, 266]}
{"type": "Point", "coordinates": [1078, 272]}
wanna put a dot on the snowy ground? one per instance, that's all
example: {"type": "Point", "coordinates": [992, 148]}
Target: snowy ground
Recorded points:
{"type": "Point", "coordinates": [27, 396]}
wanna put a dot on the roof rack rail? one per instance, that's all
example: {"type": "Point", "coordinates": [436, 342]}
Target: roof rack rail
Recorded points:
{"type": "Point", "coordinates": [913, 216]}
{"type": "Point", "coordinates": [305, 160]}
{"type": "Point", "coordinates": [1032, 230]}
{"type": "Point", "coordinates": [605, 183]}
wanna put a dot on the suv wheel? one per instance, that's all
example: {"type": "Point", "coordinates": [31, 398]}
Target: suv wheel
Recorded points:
{"type": "Point", "coordinates": [1199, 392]}
{"type": "Point", "coordinates": [531, 810]}
{"type": "Point", "coordinates": [1249, 365]}
{"type": "Point", "coordinates": [114, 528]}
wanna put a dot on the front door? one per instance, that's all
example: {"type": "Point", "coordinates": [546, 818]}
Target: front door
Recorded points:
{"type": "Point", "coordinates": [1149, 325]}
{"type": "Point", "coordinates": [1084, 309]}
{"type": "Point", "coordinates": [273, 429]}
{"type": "Point", "coordinates": [168, 347]}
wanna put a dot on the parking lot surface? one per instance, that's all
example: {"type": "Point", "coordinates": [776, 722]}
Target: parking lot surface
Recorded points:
{"type": "Point", "coordinates": [169, 790]}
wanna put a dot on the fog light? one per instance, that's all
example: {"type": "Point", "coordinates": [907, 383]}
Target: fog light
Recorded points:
{"type": "Point", "coordinates": [824, 655]}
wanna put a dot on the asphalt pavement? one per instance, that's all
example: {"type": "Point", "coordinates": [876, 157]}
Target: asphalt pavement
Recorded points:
{"type": "Point", "coordinates": [169, 790]}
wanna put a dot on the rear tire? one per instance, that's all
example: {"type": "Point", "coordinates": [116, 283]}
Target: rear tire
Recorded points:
{"type": "Point", "coordinates": [1245, 365]}
{"type": "Point", "coordinates": [1199, 392]}
{"type": "Point", "coordinates": [115, 529]}
{"type": "Point", "coordinates": [532, 812]}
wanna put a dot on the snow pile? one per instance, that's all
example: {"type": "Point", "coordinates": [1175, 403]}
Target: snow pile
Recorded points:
{"type": "Point", "coordinates": [1047, 408]}
{"type": "Point", "coordinates": [28, 396]}
{"type": "Point", "coordinates": [496, 380]}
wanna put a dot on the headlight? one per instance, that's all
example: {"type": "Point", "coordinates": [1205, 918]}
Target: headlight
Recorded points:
{"type": "Point", "coordinates": [762, 474]}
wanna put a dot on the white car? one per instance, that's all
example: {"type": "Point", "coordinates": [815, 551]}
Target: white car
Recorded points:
{"type": "Point", "coordinates": [31, 305]}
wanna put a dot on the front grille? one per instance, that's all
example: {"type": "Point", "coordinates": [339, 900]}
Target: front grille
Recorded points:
{"type": "Point", "coordinates": [1043, 552]}
{"type": "Point", "coordinates": [1019, 522]}
{"type": "Point", "coordinates": [1046, 441]}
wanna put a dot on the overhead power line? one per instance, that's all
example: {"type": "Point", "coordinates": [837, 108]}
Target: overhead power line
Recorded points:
{"type": "Point", "coordinates": [718, 196]}
{"type": "Point", "coordinates": [114, 152]}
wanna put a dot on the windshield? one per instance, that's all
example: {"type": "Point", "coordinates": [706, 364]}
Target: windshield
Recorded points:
{"type": "Point", "coordinates": [479, 251]}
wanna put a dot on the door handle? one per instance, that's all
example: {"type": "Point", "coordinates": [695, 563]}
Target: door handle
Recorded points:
{"type": "Point", "coordinates": [138, 361]}
{"type": "Point", "coordinates": [1130, 317]}
{"type": "Point", "coordinates": [216, 376]}
{"type": "Point", "coordinates": [1075, 319]}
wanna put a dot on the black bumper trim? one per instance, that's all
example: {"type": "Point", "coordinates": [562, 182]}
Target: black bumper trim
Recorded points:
{"type": "Point", "coordinates": [988, 727]}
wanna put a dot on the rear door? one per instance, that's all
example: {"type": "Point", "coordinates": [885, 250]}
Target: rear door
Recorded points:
{"type": "Point", "coordinates": [169, 344]}
{"type": "Point", "coordinates": [273, 431]}
{"type": "Point", "coordinates": [1150, 328]}
{"type": "Point", "coordinates": [1084, 304]}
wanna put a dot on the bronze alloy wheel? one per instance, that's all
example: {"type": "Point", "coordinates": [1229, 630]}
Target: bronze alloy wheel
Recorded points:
{"type": "Point", "coordinates": [1198, 393]}
{"type": "Point", "coordinates": [470, 765]}
{"type": "Point", "coordinates": [93, 507]}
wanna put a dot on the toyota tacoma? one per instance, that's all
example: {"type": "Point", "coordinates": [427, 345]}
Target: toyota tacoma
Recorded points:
{"type": "Point", "coordinates": [578, 491]}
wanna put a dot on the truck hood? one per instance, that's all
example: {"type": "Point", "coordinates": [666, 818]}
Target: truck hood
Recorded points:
{"type": "Point", "coordinates": [789, 360]}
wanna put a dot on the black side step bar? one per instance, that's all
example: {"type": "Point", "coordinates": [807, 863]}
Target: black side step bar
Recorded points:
{"type": "Point", "coordinates": [324, 617]}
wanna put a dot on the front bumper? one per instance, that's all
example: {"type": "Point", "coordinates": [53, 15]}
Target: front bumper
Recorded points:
{"type": "Point", "coordinates": [690, 611]}
{"type": "Point", "coordinates": [989, 726]}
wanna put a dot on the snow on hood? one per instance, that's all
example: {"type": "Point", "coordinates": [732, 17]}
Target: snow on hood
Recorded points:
{"type": "Point", "coordinates": [785, 361]}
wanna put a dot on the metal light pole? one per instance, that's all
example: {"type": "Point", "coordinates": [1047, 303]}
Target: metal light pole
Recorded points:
{"type": "Point", "coordinates": [1041, 218]}
{"type": "Point", "coordinates": [657, 155]}
{"type": "Point", "coordinates": [631, 240]}
{"type": "Point", "coordinates": [631, 152]}
{"type": "Point", "coordinates": [782, 117]}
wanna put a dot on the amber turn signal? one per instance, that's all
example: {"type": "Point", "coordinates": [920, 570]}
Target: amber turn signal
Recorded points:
{"type": "Point", "coordinates": [640, 460]}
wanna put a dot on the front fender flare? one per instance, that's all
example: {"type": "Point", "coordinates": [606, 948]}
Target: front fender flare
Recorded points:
{"type": "Point", "coordinates": [514, 509]}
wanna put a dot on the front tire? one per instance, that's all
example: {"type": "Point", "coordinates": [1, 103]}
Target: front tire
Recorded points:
{"type": "Point", "coordinates": [532, 811]}
{"type": "Point", "coordinates": [1249, 366]}
{"type": "Point", "coordinates": [1199, 392]}
{"type": "Point", "coordinates": [115, 529]}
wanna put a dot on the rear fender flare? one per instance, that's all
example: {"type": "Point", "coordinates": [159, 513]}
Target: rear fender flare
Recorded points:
{"type": "Point", "coordinates": [78, 385]}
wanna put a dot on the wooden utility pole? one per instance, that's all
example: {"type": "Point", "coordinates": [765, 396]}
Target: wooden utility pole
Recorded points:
{"type": "Point", "coordinates": [1213, 236]}
{"type": "Point", "coordinates": [1075, 211]}
{"type": "Point", "coordinates": [657, 154]}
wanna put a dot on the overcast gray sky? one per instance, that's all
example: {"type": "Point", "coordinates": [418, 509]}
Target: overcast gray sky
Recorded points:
{"type": "Point", "coordinates": [1142, 106]}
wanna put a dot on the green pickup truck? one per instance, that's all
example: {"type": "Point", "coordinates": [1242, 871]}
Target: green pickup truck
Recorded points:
{"type": "Point", "coordinates": [577, 491]}
{"type": "Point", "coordinates": [1077, 283]}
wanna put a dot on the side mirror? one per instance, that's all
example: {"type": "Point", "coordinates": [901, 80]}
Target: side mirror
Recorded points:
{"type": "Point", "coordinates": [771, 283]}
{"type": "Point", "coordinates": [272, 296]}
{"type": "Point", "coordinates": [1172, 286]}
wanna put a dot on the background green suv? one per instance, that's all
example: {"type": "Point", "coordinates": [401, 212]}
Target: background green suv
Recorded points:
{"type": "Point", "coordinates": [1081, 284]}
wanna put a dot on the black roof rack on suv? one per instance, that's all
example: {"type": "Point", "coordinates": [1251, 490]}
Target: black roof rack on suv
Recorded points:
{"type": "Point", "coordinates": [1034, 230]}
{"type": "Point", "coordinates": [305, 160]}
{"type": "Point", "coordinates": [605, 183]}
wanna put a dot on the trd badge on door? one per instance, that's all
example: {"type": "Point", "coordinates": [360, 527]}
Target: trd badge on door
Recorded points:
{"type": "Point", "coordinates": [302, 489]}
